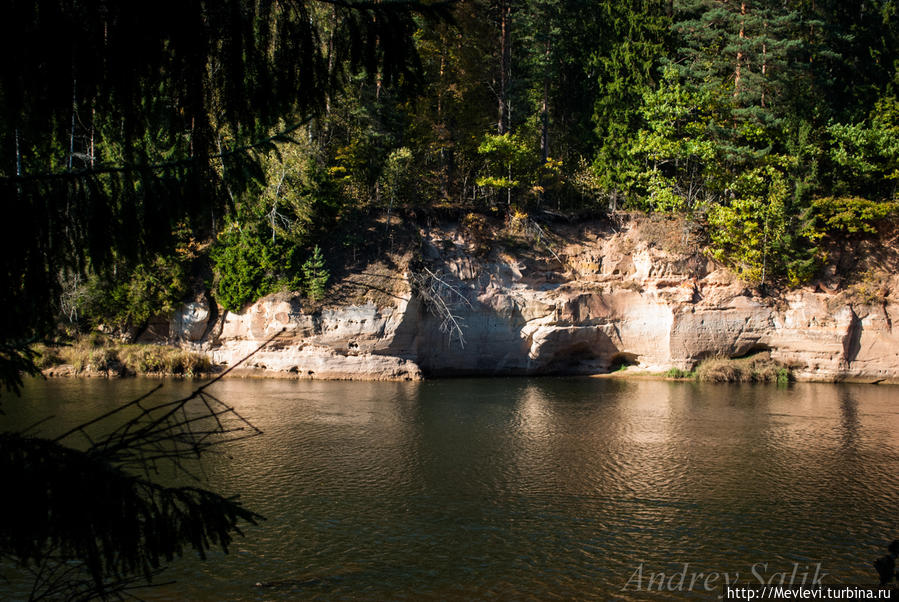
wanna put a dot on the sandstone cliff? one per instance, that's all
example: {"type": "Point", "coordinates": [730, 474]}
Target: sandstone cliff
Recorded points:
{"type": "Point", "coordinates": [586, 299]}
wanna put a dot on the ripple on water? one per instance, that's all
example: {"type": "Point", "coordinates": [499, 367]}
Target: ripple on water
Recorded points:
{"type": "Point", "coordinates": [533, 489]}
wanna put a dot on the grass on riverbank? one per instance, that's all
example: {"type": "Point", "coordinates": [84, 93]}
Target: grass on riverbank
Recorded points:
{"type": "Point", "coordinates": [743, 370]}
{"type": "Point", "coordinates": [679, 374]}
{"type": "Point", "coordinates": [93, 354]}
{"type": "Point", "coordinates": [755, 369]}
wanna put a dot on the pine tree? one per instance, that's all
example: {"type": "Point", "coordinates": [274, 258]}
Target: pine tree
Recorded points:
{"type": "Point", "coordinates": [748, 49]}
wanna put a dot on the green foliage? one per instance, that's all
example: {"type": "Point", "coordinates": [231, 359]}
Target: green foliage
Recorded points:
{"type": "Point", "coordinates": [867, 153]}
{"type": "Point", "coordinates": [508, 165]}
{"type": "Point", "coordinates": [315, 275]}
{"type": "Point", "coordinates": [755, 50]}
{"type": "Point", "coordinates": [624, 54]}
{"type": "Point", "coordinates": [504, 152]}
{"type": "Point", "coordinates": [866, 149]}
{"type": "Point", "coordinates": [302, 197]}
{"type": "Point", "coordinates": [724, 138]}
{"type": "Point", "coordinates": [126, 298]}
{"type": "Point", "coordinates": [673, 157]}
{"type": "Point", "coordinates": [399, 177]}
{"type": "Point", "coordinates": [749, 232]}
{"type": "Point", "coordinates": [679, 374]}
{"type": "Point", "coordinates": [783, 376]}
{"type": "Point", "coordinates": [850, 215]}
{"type": "Point", "coordinates": [249, 265]}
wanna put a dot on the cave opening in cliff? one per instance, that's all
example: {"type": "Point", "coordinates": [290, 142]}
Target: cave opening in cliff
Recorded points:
{"type": "Point", "coordinates": [578, 358]}
{"type": "Point", "coordinates": [622, 360]}
{"type": "Point", "coordinates": [759, 349]}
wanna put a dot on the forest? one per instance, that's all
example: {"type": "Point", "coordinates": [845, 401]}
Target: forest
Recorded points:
{"type": "Point", "coordinates": [245, 147]}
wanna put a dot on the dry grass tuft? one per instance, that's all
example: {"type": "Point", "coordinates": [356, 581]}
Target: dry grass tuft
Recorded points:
{"type": "Point", "coordinates": [158, 359]}
{"type": "Point", "coordinates": [755, 369]}
{"type": "Point", "coordinates": [92, 354]}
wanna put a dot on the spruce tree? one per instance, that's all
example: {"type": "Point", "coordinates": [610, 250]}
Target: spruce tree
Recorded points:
{"type": "Point", "coordinates": [628, 45]}
{"type": "Point", "coordinates": [315, 275]}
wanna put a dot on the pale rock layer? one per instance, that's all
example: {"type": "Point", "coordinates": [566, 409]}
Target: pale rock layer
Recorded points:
{"type": "Point", "coordinates": [616, 300]}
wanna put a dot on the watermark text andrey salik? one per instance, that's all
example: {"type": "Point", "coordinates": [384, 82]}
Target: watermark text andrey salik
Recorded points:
{"type": "Point", "coordinates": [688, 579]}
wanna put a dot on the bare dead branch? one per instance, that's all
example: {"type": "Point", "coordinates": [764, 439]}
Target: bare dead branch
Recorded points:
{"type": "Point", "coordinates": [442, 300]}
{"type": "Point", "coordinates": [533, 230]}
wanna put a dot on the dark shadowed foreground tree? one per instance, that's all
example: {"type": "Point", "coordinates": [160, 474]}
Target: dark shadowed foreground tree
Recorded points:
{"type": "Point", "coordinates": [121, 120]}
{"type": "Point", "coordinates": [118, 122]}
{"type": "Point", "coordinates": [87, 519]}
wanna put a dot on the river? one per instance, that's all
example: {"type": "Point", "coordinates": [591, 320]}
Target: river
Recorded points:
{"type": "Point", "coordinates": [553, 488]}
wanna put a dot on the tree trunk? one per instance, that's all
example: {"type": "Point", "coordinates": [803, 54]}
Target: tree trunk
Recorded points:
{"type": "Point", "coordinates": [740, 52]}
{"type": "Point", "coordinates": [18, 155]}
{"type": "Point", "coordinates": [72, 127]}
{"type": "Point", "coordinates": [764, 70]}
{"type": "Point", "coordinates": [91, 153]}
{"type": "Point", "coordinates": [444, 169]}
{"type": "Point", "coordinates": [505, 47]}
{"type": "Point", "coordinates": [544, 109]}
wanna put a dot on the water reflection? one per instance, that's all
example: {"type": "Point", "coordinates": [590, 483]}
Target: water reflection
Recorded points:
{"type": "Point", "coordinates": [530, 488]}
{"type": "Point", "coordinates": [849, 422]}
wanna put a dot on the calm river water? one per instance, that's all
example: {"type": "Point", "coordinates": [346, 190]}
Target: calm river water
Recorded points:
{"type": "Point", "coordinates": [532, 488]}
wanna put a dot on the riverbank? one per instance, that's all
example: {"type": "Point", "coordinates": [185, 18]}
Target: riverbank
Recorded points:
{"type": "Point", "coordinates": [731, 371]}
{"type": "Point", "coordinates": [96, 356]}
{"type": "Point", "coordinates": [715, 370]}
{"type": "Point", "coordinates": [585, 298]}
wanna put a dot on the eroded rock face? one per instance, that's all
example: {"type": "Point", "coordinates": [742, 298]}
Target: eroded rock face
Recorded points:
{"type": "Point", "coordinates": [617, 299]}
{"type": "Point", "coordinates": [343, 343]}
{"type": "Point", "coordinates": [191, 320]}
